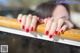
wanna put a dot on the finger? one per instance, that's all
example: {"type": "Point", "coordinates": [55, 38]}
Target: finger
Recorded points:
{"type": "Point", "coordinates": [46, 20]}
{"type": "Point", "coordinates": [70, 25]}
{"type": "Point", "coordinates": [53, 28]}
{"type": "Point", "coordinates": [33, 23]}
{"type": "Point", "coordinates": [19, 17]}
{"type": "Point", "coordinates": [40, 20]}
{"type": "Point", "coordinates": [28, 22]}
{"type": "Point", "coordinates": [23, 22]}
{"type": "Point", "coordinates": [48, 26]}
{"type": "Point", "coordinates": [64, 27]}
{"type": "Point", "coordinates": [60, 23]}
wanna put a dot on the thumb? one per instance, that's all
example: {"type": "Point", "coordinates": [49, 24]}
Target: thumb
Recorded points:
{"type": "Point", "coordinates": [70, 25]}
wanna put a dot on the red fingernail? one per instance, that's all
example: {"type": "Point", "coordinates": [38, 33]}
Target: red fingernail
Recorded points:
{"type": "Point", "coordinates": [50, 36]}
{"type": "Point", "coordinates": [23, 27]}
{"type": "Point", "coordinates": [56, 32]}
{"type": "Point", "coordinates": [62, 31]}
{"type": "Point", "coordinates": [32, 28]}
{"type": "Point", "coordinates": [47, 32]}
{"type": "Point", "coordinates": [27, 30]}
{"type": "Point", "coordinates": [20, 21]}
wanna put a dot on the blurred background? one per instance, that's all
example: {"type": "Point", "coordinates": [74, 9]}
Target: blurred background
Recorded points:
{"type": "Point", "coordinates": [19, 44]}
{"type": "Point", "coordinates": [14, 7]}
{"type": "Point", "coordinates": [11, 8]}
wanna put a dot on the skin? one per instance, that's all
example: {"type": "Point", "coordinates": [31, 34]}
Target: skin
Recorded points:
{"type": "Point", "coordinates": [58, 23]}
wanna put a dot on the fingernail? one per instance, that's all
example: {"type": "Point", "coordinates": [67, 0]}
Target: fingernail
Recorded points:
{"type": "Point", "coordinates": [50, 36]}
{"type": "Point", "coordinates": [27, 30]}
{"type": "Point", "coordinates": [23, 27]}
{"type": "Point", "coordinates": [62, 31]}
{"type": "Point", "coordinates": [20, 21]}
{"type": "Point", "coordinates": [47, 32]}
{"type": "Point", "coordinates": [56, 32]}
{"type": "Point", "coordinates": [32, 29]}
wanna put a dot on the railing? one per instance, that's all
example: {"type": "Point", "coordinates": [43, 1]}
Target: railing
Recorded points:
{"type": "Point", "coordinates": [72, 34]}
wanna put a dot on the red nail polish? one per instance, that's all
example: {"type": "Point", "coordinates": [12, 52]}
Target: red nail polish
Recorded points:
{"type": "Point", "coordinates": [32, 28]}
{"type": "Point", "coordinates": [27, 30]}
{"type": "Point", "coordinates": [23, 27]}
{"type": "Point", "coordinates": [20, 21]}
{"type": "Point", "coordinates": [56, 32]}
{"type": "Point", "coordinates": [47, 32]}
{"type": "Point", "coordinates": [50, 36]}
{"type": "Point", "coordinates": [62, 31]}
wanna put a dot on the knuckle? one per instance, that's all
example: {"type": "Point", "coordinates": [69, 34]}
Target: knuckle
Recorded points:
{"type": "Point", "coordinates": [24, 16]}
{"type": "Point", "coordinates": [29, 16]}
{"type": "Point", "coordinates": [19, 16]}
{"type": "Point", "coordinates": [34, 17]}
{"type": "Point", "coordinates": [61, 20]}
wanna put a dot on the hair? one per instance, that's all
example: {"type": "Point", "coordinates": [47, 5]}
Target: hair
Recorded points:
{"type": "Point", "coordinates": [46, 9]}
{"type": "Point", "coordinates": [39, 46]}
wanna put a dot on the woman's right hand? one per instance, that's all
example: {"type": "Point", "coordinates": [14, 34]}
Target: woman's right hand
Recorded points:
{"type": "Point", "coordinates": [28, 22]}
{"type": "Point", "coordinates": [56, 26]}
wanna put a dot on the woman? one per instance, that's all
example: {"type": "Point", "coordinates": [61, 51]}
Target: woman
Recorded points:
{"type": "Point", "coordinates": [55, 16]}
{"type": "Point", "coordinates": [57, 20]}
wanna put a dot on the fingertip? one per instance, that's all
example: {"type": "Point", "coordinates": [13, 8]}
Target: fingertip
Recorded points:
{"type": "Point", "coordinates": [23, 27]}
{"type": "Point", "coordinates": [62, 31]}
{"type": "Point", "coordinates": [27, 30]}
{"type": "Point", "coordinates": [31, 28]}
{"type": "Point", "coordinates": [20, 21]}
{"type": "Point", "coordinates": [50, 36]}
{"type": "Point", "coordinates": [56, 32]}
{"type": "Point", "coordinates": [64, 27]}
{"type": "Point", "coordinates": [47, 32]}
{"type": "Point", "coordinates": [19, 17]}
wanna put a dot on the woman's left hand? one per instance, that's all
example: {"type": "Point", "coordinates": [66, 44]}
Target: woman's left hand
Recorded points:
{"type": "Point", "coordinates": [56, 26]}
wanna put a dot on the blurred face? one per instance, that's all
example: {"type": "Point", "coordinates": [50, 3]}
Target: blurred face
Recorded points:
{"type": "Point", "coordinates": [60, 12]}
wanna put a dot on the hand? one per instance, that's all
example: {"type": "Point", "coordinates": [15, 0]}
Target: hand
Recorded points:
{"type": "Point", "coordinates": [56, 26]}
{"type": "Point", "coordinates": [28, 22]}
